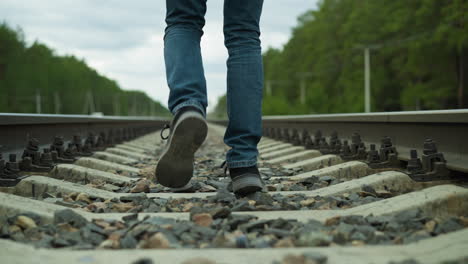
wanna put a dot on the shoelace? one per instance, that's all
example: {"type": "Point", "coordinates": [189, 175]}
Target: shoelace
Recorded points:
{"type": "Point", "coordinates": [225, 167]}
{"type": "Point", "coordinates": [166, 126]}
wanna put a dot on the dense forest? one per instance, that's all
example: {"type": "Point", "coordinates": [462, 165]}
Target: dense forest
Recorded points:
{"type": "Point", "coordinates": [35, 80]}
{"type": "Point", "coordinates": [418, 58]}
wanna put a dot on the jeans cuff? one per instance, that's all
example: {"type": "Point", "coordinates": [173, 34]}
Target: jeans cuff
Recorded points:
{"type": "Point", "coordinates": [193, 103]}
{"type": "Point", "coordinates": [241, 163]}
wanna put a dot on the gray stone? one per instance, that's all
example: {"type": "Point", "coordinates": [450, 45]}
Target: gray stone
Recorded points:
{"type": "Point", "coordinates": [327, 179]}
{"type": "Point", "coordinates": [242, 241]}
{"type": "Point", "coordinates": [130, 218]}
{"type": "Point", "coordinates": [261, 198]}
{"type": "Point", "coordinates": [143, 261]}
{"type": "Point", "coordinates": [223, 197]}
{"type": "Point", "coordinates": [255, 225]}
{"type": "Point", "coordinates": [72, 237]}
{"type": "Point", "coordinates": [449, 225]}
{"type": "Point", "coordinates": [369, 189]}
{"type": "Point", "coordinates": [69, 216]}
{"type": "Point", "coordinates": [110, 187]}
{"type": "Point", "coordinates": [354, 220]}
{"type": "Point", "coordinates": [91, 237]}
{"type": "Point", "coordinates": [128, 241]}
{"type": "Point", "coordinates": [314, 239]}
{"type": "Point", "coordinates": [135, 197]}
{"type": "Point", "coordinates": [408, 215]}
{"type": "Point", "coordinates": [366, 230]}
{"type": "Point", "coordinates": [60, 242]}
{"type": "Point", "coordinates": [262, 242]}
{"type": "Point", "coordinates": [158, 221]}
{"type": "Point", "coordinates": [358, 236]}
{"type": "Point", "coordinates": [318, 258]}
{"type": "Point", "coordinates": [45, 242]}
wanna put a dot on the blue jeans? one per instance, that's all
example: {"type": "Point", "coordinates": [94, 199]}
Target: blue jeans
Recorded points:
{"type": "Point", "coordinates": [185, 74]}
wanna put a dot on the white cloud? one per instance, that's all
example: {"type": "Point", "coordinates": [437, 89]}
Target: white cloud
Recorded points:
{"type": "Point", "coordinates": [124, 39]}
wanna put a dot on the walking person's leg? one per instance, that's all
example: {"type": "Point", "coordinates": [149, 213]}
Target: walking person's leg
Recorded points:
{"type": "Point", "coordinates": [187, 98]}
{"type": "Point", "coordinates": [244, 92]}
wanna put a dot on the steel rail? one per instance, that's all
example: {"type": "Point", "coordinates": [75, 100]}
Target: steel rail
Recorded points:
{"type": "Point", "coordinates": [408, 130]}
{"type": "Point", "coordinates": [16, 129]}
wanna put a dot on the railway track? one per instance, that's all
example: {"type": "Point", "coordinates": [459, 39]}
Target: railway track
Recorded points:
{"type": "Point", "coordinates": [88, 197]}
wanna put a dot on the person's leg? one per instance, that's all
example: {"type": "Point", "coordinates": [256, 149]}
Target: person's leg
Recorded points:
{"type": "Point", "coordinates": [187, 99]}
{"type": "Point", "coordinates": [244, 81]}
{"type": "Point", "coordinates": [182, 55]}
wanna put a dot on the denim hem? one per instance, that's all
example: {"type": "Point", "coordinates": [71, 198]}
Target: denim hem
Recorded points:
{"type": "Point", "coordinates": [193, 103]}
{"type": "Point", "coordinates": [241, 163]}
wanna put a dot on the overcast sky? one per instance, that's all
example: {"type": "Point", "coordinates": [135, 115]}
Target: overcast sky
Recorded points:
{"type": "Point", "coordinates": [124, 39]}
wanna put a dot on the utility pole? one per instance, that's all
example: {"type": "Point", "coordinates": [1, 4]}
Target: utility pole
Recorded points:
{"type": "Point", "coordinates": [268, 87]}
{"type": "Point", "coordinates": [461, 79]}
{"type": "Point", "coordinates": [38, 101]}
{"type": "Point", "coordinates": [367, 80]}
{"type": "Point", "coordinates": [89, 104]}
{"type": "Point", "coordinates": [303, 85]}
{"type": "Point", "coordinates": [152, 109]}
{"type": "Point", "coordinates": [116, 105]}
{"type": "Point", "coordinates": [57, 103]}
{"type": "Point", "coordinates": [134, 106]}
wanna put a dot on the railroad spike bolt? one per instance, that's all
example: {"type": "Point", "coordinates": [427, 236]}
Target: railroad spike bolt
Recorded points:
{"type": "Point", "coordinates": [304, 135]}
{"type": "Point", "coordinates": [324, 148]}
{"type": "Point", "coordinates": [362, 153]}
{"type": "Point", "coordinates": [46, 158]}
{"type": "Point", "coordinates": [278, 133]}
{"type": "Point", "coordinates": [345, 150]}
{"type": "Point", "coordinates": [388, 151]}
{"type": "Point", "coordinates": [335, 144]}
{"type": "Point", "coordinates": [433, 165]}
{"type": "Point", "coordinates": [77, 142]}
{"type": "Point", "coordinates": [54, 155]}
{"type": "Point", "coordinates": [272, 133]}
{"type": "Point", "coordinates": [386, 142]}
{"type": "Point", "coordinates": [36, 159]}
{"type": "Point", "coordinates": [295, 139]}
{"type": "Point", "coordinates": [317, 138]}
{"type": "Point", "coordinates": [337, 149]}
{"type": "Point", "coordinates": [12, 166]}
{"type": "Point", "coordinates": [429, 147]}
{"type": "Point", "coordinates": [101, 141]}
{"type": "Point", "coordinates": [2, 165]}
{"type": "Point", "coordinates": [90, 140]}
{"type": "Point", "coordinates": [71, 151]}
{"type": "Point", "coordinates": [373, 155]}
{"type": "Point", "coordinates": [414, 163]}
{"type": "Point", "coordinates": [309, 143]}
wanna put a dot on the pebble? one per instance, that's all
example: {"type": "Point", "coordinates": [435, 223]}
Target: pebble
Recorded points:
{"type": "Point", "coordinates": [284, 243]}
{"type": "Point", "coordinates": [25, 222]}
{"type": "Point", "coordinates": [158, 240]}
{"type": "Point", "coordinates": [141, 186]}
{"type": "Point", "coordinates": [430, 226]}
{"type": "Point", "coordinates": [70, 217]}
{"type": "Point", "coordinates": [110, 187]}
{"type": "Point", "coordinates": [143, 261]}
{"type": "Point", "coordinates": [307, 202]}
{"type": "Point", "coordinates": [198, 261]}
{"type": "Point", "coordinates": [82, 197]}
{"type": "Point", "coordinates": [306, 258]}
{"type": "Point", "coordinates": [203, 219]}
{"type": "Point", "coordinates": [123, 207]}
{"type": "Point", "coordinates": [314, 239]}
{"type": "Point", "coordinates": [73, 231]}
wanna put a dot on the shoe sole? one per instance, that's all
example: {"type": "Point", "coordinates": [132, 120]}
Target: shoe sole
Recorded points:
{"type": "Point", "coordinates": [247, 184]}
{"type": "Point", "coordinates": [175, 167]}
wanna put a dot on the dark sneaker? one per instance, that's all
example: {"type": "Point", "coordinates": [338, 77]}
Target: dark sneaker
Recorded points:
{"type": "Point", "coordinates": [245, 180]}
{"type": "Point", "coordinates": [188, 131]}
